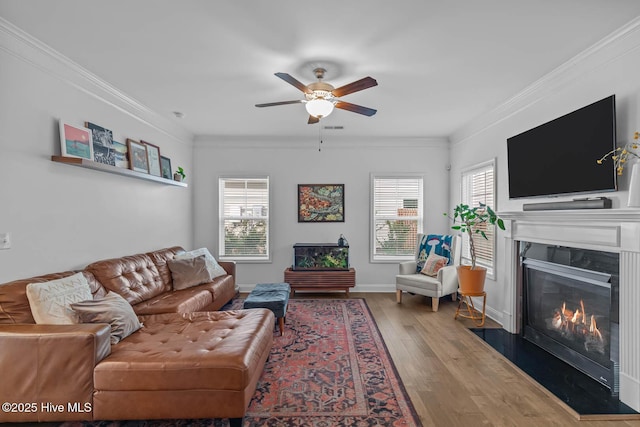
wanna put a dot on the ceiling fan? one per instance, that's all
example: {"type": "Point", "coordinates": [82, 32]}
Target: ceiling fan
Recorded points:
{"type": "Point", "coordinates": [321, 97]}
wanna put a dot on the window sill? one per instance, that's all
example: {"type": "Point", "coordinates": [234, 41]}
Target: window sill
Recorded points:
{"type": "Point", "coordinates": [246, 261]}
{"type": "Point", "coordinates": [390, 261]}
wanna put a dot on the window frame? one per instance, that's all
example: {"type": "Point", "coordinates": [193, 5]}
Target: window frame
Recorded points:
{"type": "Point", "coordinates": [221, 221]}
{"type": "Point", "coordinates": [377, 258]}
{"type": "Point", "coordinates": [464, 178]}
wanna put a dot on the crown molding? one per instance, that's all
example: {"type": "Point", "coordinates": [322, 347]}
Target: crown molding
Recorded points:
{"type": "Point", "coordinates": [43, 57]}
{"type": "Point", "coordinates": [622, 42]}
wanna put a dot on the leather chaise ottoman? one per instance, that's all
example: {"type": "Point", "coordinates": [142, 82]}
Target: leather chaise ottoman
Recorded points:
{"type": "Point", "coordinates": [180, 365]}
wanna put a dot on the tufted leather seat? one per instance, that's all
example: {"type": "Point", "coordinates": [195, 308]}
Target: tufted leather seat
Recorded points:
{"type": "Point", "coordinates": [167, 354]}
{"type": "Point", "coordinates": [193, 358]}
{"type": "Point", "coordinates": [144, 280]}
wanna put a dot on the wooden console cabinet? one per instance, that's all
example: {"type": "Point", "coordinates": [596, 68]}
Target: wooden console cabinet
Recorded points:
{"type": "Point", "coordinates": [320, 280]}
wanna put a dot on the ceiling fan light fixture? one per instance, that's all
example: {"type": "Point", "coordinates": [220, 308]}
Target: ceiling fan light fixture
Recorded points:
{"type": "Point", "coordinates": [319, 107]}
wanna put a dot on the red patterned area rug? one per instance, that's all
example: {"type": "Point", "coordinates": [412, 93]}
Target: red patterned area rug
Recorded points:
{"type": "Point", "coordinates": [331, 368]}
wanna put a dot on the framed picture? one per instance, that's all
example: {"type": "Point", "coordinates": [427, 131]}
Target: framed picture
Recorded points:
{"type": "Point", "coordinates": [320, 202]}
{"type": "Point", "coordinates": [153, 158]}
{"type": "Point", "coordinates": [137, 156]}
{"type": "Point", "coordinates": [75, 141]}
{"type": "Point", "coordinates": [120, 152]}
{"type": "Point", "coordinates": [165, 165]}
{"type": "Point", "coordinates": [103, 151]}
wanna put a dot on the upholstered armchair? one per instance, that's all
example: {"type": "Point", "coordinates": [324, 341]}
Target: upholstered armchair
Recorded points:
{"type": "Point", "coordinates": [445, 282]}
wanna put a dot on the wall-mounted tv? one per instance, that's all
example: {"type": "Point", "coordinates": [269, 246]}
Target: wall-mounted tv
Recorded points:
{"type": "Point", "coordinates": [559, 157]}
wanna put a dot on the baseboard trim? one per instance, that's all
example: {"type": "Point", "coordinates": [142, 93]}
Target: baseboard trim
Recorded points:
{"type": "Point", "coordinates": [373, 288]}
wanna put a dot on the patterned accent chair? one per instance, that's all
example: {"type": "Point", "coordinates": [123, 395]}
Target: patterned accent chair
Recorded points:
{"type": "Point", "coordinates": [444, 283]}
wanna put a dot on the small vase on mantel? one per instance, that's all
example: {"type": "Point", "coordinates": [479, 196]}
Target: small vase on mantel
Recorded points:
{"type": "Point", "coordinates": [634, 187]}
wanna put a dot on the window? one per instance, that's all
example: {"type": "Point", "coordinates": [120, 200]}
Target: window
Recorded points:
{"type": "Point", "coordinates": [478, 187]}
{"type": "Point", "coordinates": [244, 219]}
{"type": "Point", "coordinates": [396, 216]}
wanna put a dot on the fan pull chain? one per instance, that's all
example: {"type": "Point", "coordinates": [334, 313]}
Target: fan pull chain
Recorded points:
{"type": "Point", "coordinates": [319, 138]}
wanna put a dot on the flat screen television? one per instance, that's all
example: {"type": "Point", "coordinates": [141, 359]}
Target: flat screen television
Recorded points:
{"type": "Point", "coordinates": [559, 157]}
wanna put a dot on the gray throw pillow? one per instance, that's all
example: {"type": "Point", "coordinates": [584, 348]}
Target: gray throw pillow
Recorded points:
{"type": "Point", "coordinates": [111, 309]}
{"type": "Point", "coordinates": [189, 272]}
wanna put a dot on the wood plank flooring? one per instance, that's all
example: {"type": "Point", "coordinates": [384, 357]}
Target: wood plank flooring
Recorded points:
{"type": "Point", "coordinates": [454, 378]}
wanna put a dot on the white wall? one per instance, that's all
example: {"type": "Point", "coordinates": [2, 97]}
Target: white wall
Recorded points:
{"type": "Point", "coordinates": [610, 67]}
{"type": "Point", "coordinates": [292, 162]}
{"type": "Point", "coordinates": [62, 217]}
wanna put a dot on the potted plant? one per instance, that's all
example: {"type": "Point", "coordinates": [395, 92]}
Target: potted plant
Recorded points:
{"type": "Point", "coordinates": [179, 175]}
{"type": "Point", "coordinates": [472, 221]}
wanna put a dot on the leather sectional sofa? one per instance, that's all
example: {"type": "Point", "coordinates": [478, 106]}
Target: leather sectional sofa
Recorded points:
{"type": "Point", "coordinates": [187, 361]}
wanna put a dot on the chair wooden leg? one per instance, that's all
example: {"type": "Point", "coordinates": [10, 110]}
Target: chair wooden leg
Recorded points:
{"type": "Point", "coordinates": [435, 301]}
{"type": "Point", "coordinates": [398, 296]}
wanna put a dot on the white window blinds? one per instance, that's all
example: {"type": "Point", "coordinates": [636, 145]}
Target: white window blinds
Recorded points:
{"type": "Point", "coordinates": [244, 218]}
{"type": "Point", "coordinates": [478, 187]}
{"type": "Point", "coordinates": [396, 216]}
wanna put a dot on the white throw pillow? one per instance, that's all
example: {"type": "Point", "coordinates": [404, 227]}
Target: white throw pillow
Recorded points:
{"type": "Point", "coordinates": [212, 265]}
{"type": "Point", "coordinates": [50, 302]}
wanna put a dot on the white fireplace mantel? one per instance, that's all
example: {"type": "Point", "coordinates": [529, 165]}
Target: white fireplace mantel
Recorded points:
{"type": "Point", "coordinates": [610, 230]}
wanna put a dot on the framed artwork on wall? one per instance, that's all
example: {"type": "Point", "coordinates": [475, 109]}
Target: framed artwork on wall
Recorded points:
{"type": "Point", "coordinates": [320, 202]}
{"type": "Point", "coordinates": [137, 156]}
{"type": "Point", "coordinates": [165, 165]}
{"type": "Point", "coordinates": [153, 158]}
{"type": "Point", "coordinates": [120, 152]}
{"type": "Point", "coordinates": [75, 141]}
{"type": "Point", "coordinates": [103, 149]}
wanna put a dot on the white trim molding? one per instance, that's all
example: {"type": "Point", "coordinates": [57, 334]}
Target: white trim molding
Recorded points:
{"type": "Point", "coordinates": [43, 57]}
{"type": "Point", "coordinates": [622, 42]}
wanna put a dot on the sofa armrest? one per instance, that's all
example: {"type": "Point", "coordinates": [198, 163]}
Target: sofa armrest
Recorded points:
{"type": "Point", "coordinates": [229, 267]}
{"type": "Point", "coordinates": [448, 276]}
{"type": "Point", "coordinates": [408, 267]}
{"type": "Point", "coordinates": [45, 366]}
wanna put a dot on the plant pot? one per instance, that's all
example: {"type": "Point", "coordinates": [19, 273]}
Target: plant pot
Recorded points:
{"type": "Point", "coordinates": [471, 281]}
{"type": "Point", "coordinates": [177, 177]}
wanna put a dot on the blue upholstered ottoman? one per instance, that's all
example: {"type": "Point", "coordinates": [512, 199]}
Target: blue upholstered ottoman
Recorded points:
{"type": "Point", "coordinates": [273, 296]}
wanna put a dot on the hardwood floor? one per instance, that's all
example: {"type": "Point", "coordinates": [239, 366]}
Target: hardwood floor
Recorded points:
{"type": "Point", "coordinates": [454, 378]}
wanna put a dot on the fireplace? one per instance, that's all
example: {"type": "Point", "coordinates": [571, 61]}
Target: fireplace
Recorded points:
{"type": "Point", "coordinates": [570, 307]}
{"type": "Point", "coordinates": [609, 232]}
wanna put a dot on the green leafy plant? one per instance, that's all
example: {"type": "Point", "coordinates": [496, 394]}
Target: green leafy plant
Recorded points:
{"type": "Point", "coordinates": [473, 221]}
{"type": "Point", "coordinates": [180, 172]}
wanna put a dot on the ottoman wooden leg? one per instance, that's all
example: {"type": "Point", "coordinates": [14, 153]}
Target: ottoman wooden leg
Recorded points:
{"type": "Point", "coordinates": [281, 325]}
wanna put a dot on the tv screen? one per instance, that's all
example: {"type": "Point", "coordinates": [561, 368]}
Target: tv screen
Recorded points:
{"type": "Point", "coordinates": [559, 157]}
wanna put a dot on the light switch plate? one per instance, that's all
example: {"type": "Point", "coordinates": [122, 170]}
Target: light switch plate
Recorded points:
{"type": "Point", "coordinates": [5, 240]}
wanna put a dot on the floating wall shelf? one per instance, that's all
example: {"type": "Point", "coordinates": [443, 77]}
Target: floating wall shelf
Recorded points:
{"type": "Point", "coordinates": [89, 164]}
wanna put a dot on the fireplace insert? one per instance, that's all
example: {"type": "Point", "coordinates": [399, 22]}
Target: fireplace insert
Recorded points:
{"type": "Point", "coordinates": [570, 307]}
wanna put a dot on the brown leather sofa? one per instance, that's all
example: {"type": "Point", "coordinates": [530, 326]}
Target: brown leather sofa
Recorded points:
{"type": "Point", "coordinates": [187, 361]}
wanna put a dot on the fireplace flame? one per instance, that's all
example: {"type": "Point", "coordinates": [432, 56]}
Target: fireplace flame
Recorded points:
{"type": "Point", "coordinates": [593, 328]}
{"type": "Point", "coordinates": [576, 317]}
{"type": "Point", "coordinates": [575, 322]}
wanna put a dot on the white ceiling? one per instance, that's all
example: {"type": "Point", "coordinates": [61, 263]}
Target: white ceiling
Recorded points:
{"type": "Point", "coordinates": [439, 64]}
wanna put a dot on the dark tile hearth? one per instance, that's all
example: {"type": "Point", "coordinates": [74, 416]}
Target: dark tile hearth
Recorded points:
{"type": "Point", "coordinates": [584, 395]}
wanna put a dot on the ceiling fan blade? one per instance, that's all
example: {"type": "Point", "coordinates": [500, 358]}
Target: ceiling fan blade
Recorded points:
{"type": "Point", "coordinates": [356, 86]}
{"type": "Point", "coordinates": [272, 104]}
{"type": "Point", "coordinates": [356, 108]}
{"type": "Point", "coordinates": [292, 81]}
{"type": "Point", "coordinates": [312, 120]}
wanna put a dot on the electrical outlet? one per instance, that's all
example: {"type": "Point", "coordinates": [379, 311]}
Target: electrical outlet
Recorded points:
{"type": "Point", "coordinates": [5, 240]}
